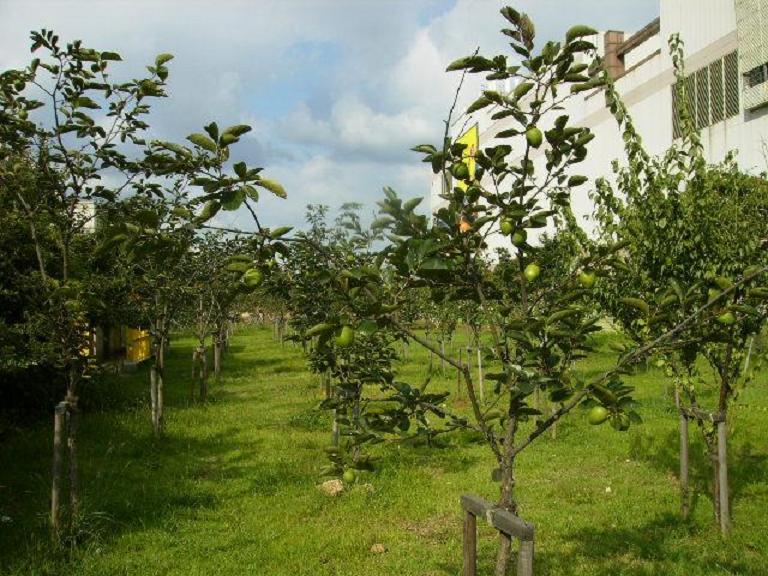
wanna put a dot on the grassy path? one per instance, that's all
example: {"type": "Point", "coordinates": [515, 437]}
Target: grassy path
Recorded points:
{"type": "Point", "coordinates": [231, 489]}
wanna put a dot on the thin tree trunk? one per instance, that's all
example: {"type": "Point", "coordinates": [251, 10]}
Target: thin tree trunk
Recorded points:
{"type": "Point", "coordinates": [442, 359]}
{"type": "Point", "coordinates": [38, 249]}
{"type": "Point", "coordinates": [722, 470]}
{"type": "Point", "coordinates": [160, 403]}
{"type": "Point", "coordinates": [159, 383]}
{"type": "Point", "coordinates": [458, 378]}
{"type": "Point", "coordinates": [74, 480]}
{"type": "Point", "coordinates": [153, 395]}
{"type": "Point", "coordinates": [203, 375]}
{"type": "Point", "coordinates": [71, 420]}
{"type": "Point", "coordinates": [217, 348]}
{"type": "Point", "coordinates": [684, 457]}
{"type": "Point", "coordinates": [58, 425]}
{"type": "Point", "coordinates": [506, 500]}
{"type": "Point", "coordinates": [480, 381]}
{"type": "Point", "coordinates": [715, 479]}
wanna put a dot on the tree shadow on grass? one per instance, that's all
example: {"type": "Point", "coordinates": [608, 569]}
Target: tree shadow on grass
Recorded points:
{"type": "Point", "coordinates": [647, 550]}
{"type": "Point", "coordinates": [746, 464]}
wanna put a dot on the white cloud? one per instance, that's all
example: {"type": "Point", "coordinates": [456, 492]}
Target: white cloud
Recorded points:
{"type": "Point", "coordinates": [333, 122]}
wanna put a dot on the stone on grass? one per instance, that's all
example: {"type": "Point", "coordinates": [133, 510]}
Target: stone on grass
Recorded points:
{"type": "Point", "coordinates": [332, 487]}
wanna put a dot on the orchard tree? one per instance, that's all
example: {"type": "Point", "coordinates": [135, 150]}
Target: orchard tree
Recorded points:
{"type": "Point", "coordinates": [51, 117]}
{"type": "Point", "coordinates": [336, 291]}
{"type": "Point", "coordinates": [690, 231]}
{"type": "Point", "coordinates": [540, 316]}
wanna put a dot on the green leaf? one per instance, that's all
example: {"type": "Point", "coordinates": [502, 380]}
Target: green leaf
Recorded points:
{"type": "Point", "coordinates": [637, 303]}
{"type": "Point", "coordinates": [163, 58]}
{"type": "Point", "coordinates": [202, 141]}
{"type": "Point", "coordinates": [319, 329]}
{"type": "Point", "coordinates": [209, 211]}
{"type": "Point", "coordinates": [579, 31]}
{"type": "Point", "coordinates": [237, 130]}
{"type": "Point", "coordinates": [281, 231]}
{"type": "Point", "coordinates": [240, 169]}
{"type": "Point", "coordinates": [512, 15]}
{"type": "Point", "coordinates": [574, 181]}
{"type": "Point", "coordinates": [367, 327]}
{"type": "Point", "coordinates": [251, 192]}
{"type": "Point", "coordinates": [213, 131]}
{"type": "Point", "coordinates": [459, 64]}
{"type": "Point", "coordinates": [272, 186]}
{"type": "Point", "coordinates": [478, 104]}
{"type": "Point", "coordinates": [240, 267]}
{"type": "Point", "coordinates": [425, 149]}
{"type": "Point", "coordinates": [85, 102]}
{"type": "Point", "coordinates": [232, 199]}
{"type": "Point", "coordinates": [113, 56]}
{"type": "Point", "coordinates": [522, 89]}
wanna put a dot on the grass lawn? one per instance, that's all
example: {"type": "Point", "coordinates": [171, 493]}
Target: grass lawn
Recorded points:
{"type": "Point", "coordinates": [231, 489]}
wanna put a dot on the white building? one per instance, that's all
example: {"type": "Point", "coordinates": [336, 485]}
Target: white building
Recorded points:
{"type": "Point", "coordinates": [726, 57]}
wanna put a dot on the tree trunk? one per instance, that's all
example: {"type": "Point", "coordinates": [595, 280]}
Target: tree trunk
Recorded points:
{"type": "Point", "coordinates": [458, 378]}
{"type": "Point", "coordinates": [684, 458]}
{"type": "Point", "coordinates": [506, 500]}
{"type": "Point", "coordinates": [217, 348]}
{"type": "Point", "coordinates": [203, 375]}
{"type": "Point", "coordinates": [58, 425]}
{"type": "Point", "coordinates": [153, 395]}
{"type": "Point", "coordinates": [722, 472]}
{"type": "Point", "coordinates": [71, 420]}
{"type": "Point", "coordinates": [74, 480]}
{"type": "Point", "coordinates": [160, 403]}
{"type": "Point", "coordinates": [160, 376]}
{"type": "Point", "coordinates": [715, 479]}
{"type": "Point", "coordinates": [480, 382]}
{"type": "Point", "coordinates": [442, 358]}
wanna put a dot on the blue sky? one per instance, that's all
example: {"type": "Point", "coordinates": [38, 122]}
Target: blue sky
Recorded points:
{"type": "Point", "coordinates": [337, 90]}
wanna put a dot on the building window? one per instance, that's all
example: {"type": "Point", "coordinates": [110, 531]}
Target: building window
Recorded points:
{"type": "Point", "coordinates": [712, 94]}
{"type": "Point", "coordinates": [757, 75]}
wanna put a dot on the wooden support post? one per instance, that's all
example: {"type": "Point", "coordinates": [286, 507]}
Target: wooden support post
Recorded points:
{"type": "Point", "coordinates": [684, 463]}
{"type": "Point", "coordinates": [74, 479]}
{"type": "Point", "coordinates": [525, 558]}
{"type": "Point", "coordinates": [722, 471]}
{"type": "Point", "coordinates": [58, 427]}
{"type": "Point", "coordinates": [509, 525]}
{"type": "Point", "coordinates": [470, 544]}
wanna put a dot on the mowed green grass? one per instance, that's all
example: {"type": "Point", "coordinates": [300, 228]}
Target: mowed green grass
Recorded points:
{"type": "Point", "coordinates": [231, 489]}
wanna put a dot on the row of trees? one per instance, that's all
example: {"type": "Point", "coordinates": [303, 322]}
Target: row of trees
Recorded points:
{"type": "Point", "coordinates": [113, 221]}
{"type": "Point", "coordinates": [679, 263]}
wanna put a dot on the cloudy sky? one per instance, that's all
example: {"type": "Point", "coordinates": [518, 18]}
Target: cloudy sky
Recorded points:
{"type": "Point", "coordinates": [337, 91]}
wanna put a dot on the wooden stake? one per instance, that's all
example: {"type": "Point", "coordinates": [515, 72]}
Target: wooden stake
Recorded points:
{"type": "Point", "coordinates": [525, 558]}
{"type": "Point", "coordinates": [470, 544]}
{"type": "Point", "coordinates": [722, 465]}
{"type": "Point", "coordinates": [74, 480]}
{"type": "Point", "coordinates": [58, 425]}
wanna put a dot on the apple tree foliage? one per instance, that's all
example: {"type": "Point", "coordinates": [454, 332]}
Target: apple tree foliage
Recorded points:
{"type": "Point", "coordinates": [336, 293]}
{"type": "Point", "coordinates": [695, 235]}
{"type": "Point", "coordinates": [543, 321]}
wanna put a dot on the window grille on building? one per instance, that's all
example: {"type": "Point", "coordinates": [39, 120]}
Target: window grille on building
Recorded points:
{"type": "Point", "coordinates": [712, 94]}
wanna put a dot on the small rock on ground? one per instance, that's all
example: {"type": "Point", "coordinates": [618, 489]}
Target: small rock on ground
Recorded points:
{"type": "Point", "coordinates": [332, 487]}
